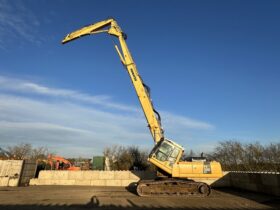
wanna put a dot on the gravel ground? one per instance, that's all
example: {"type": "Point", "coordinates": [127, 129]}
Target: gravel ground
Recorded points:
{"type": "Point", "coordinates": [78, 197]}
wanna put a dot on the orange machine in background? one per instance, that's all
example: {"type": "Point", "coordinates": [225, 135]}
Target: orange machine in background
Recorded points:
{"type": "Point", "coordinates": [60, 163]}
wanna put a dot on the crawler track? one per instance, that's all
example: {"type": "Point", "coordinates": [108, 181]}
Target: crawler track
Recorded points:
{"type": "Point", "coordinates": [173, 187]}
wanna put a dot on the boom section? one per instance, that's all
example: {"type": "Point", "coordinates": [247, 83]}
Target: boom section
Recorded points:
{"type": "Point", "coordinates": [111, 27]}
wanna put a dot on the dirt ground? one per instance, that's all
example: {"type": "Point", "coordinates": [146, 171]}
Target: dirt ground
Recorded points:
{"type": "Point", "coordinates": [78, 197]}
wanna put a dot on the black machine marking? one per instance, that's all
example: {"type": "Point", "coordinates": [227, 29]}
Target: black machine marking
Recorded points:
{"type": "Point", "coordinates": [133, 74]}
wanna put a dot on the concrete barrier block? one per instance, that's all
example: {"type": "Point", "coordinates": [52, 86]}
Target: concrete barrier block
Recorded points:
{"type": "Point", "coordinates": [249, 186]}
{"type": "Point", "coordinates": [62, 175]}
{"type": "Point", "coordinates": [67, 182]}
{"type": "Point", "coordinates": [269, 179]}
{"type": "Point", "coordinates": [265, 188]}
{"type": "Point", "coordinates": [235, 177]}
{"type": "Point", "coordinates": [120, 175]}
{"type": "Point", "coordinates": [98, 183]}
{"type": "Point", "coordinates": [15, 162]}
{"type": "Point", "coordinates": [113, 183]}
{"type": "Point", "coordinates": [52, 182]}
{"type": "Point", "coordinates": [240, 177]}
{"type": "Point", "coordinates": [15, 168]}
{"type": "Point", "coordinates": [45, 175]}
{"type": "Point", "coordinates": [4, 181]}
{"type": "Point", "coordinates": [276, 190]}
{"type": "Point", "coordinates": [95, 174]}
{"type": "Point", "coordinates": [44, 182]}
{"type": "Point", "coordinates": [83, 182]}
{"type": "Point", "coordinates": [235, 180]}
{"type": "Point", "coordinates": [89, 175]}
{"type": "Point", "coordinates": [62, 182]}
{"type": "Point", "coordinates": [254, 178]}
{"type": "Point", "coordinates": [75, 175]}
{"type": "Point", "coordinates": [33, 182]}
{"type": "Point", "coordinates": [106, 175]}
{"type": "Point", "coordinates": [13, 182]}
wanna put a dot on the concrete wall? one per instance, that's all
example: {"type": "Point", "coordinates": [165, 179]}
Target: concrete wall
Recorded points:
{"type": "Point", "coordinates": [268, 183]}
{"type": "Point", "coordinates": [257, 182]}
{"type": "Point", "coordinates": [104, 178]}
{"type": "Point", "coordinates": [10, 171]}
{"type": "Point", "coordinates": [91, 178]}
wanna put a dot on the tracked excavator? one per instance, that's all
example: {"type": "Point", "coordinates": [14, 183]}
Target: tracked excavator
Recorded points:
{"type": "Point", "coordinates": [175, 176]}
{"type": "Point", "coordinates": [67, 165]}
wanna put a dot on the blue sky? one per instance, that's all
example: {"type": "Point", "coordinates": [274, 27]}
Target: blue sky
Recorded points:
{"type": "Point", "coordinates": [213, 67]}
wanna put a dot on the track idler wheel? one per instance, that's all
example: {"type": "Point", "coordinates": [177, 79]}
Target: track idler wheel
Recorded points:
{"type": "Point", "coordinates": [204, 189]}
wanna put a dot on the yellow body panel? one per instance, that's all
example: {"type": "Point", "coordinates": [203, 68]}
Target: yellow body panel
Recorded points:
{"type": "Point", "coordinates": [196, 170]}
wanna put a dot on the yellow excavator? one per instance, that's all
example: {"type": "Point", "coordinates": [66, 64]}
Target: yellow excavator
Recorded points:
{"type": "Point", "coordinates": [175, 176]}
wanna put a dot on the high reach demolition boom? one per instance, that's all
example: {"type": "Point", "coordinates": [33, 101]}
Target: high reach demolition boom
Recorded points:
{"type": "Point", "coordinates": [166, 154]}
{"type": "Point", "coordinates": [111, 27]}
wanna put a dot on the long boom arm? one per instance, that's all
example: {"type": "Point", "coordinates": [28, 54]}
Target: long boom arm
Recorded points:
{"type": "Point", "coordinates": [111, 27]}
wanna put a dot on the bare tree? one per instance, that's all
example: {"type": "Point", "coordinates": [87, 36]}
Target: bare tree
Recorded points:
{"type": "Point", "coordinates": [126, 158]}
{"type": "Point", "coordinates": [39, 153]}
{"type": "Point", "coordinates": [20, 151]}
{"type": "Point", "coordinates": [188, 154]}
{"type": "Point", "coordinates": [234, 155]}
{"type": "Point", "coordinates": [26, 151]}
{"type": "Point", "coordinates": [139, 158]}
{"type": "Point", "coordinates": [111, 154]}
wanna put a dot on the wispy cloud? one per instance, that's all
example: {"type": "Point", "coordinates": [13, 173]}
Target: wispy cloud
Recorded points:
{"type": "Point", "coordinates": [76, 119]}
{"type": "Point", "coordinates": [28, 87]}
{"type": "Point", "coordinates": [62, 125]}
{"type": "Point", "coordinates": [186, 122]}
{"type": "Point", "coordinates": [17, 22]}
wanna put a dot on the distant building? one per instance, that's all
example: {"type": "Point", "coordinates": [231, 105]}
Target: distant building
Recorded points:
{"type": "Point", "coordinates": [98, 163]}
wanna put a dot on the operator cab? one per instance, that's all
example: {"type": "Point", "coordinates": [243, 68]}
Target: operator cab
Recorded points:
{"type": "Point", "coordinates": [165, 153]}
